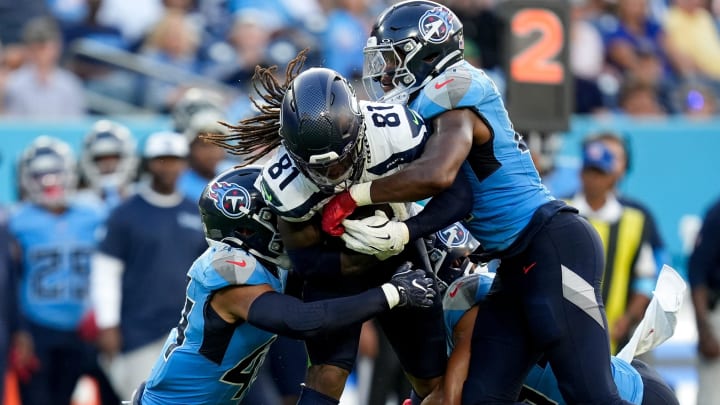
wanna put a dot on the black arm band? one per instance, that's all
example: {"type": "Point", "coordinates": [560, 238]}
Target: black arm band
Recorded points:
{"type": "Point", "coordinates": [288, 316]}
{"type": "Point", "coordinates": [315, 261]}
{"type": "Point", "coordinates": [450, 206]}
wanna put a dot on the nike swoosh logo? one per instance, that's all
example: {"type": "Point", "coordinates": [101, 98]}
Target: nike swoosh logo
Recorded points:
{"type": "Point", "coordinates": [442, 84]}
{"type": "Point", "coordinates": [414, 117]}
{"type": "Point", "coordinates": [455, 290]}
{"type": "Point", "coordinates": [527, 268]}
{"type": "Point", "coordinates": [241, 263]}
{"type": "Point", "coordinates": [417, 285]}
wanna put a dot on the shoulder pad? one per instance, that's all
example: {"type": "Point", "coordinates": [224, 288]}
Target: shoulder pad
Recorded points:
{"type": "Point", "coordinates": [227, 266]}
{"type": "Point", "coordinates": [458, 87]}
{"type": "Point", "coordinates": [449, 88]}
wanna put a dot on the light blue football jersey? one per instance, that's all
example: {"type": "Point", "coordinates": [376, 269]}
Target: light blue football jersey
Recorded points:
{"type": "Point", "coordinates": [466, 291]}
{"type": "Point", "coordinates": [56, 253]}
{"type": "Point", "coordinates": [209, 361]}
{"type": "Point", "coordinates": [506, 186]}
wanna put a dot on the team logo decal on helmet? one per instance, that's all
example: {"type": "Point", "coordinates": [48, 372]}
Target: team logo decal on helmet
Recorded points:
{"type": "Point", "coordinates": [435, 25]}
{"type": "Point", "coordinates": [230, 198]}
{"type": "Point", "coordinates": [460, 237]}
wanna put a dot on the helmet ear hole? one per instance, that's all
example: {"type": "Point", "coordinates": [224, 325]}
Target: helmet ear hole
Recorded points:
{"type": "Point", "coordinates": [431, 58]}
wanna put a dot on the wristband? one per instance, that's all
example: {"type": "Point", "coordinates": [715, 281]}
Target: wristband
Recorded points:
{"type": "Point", "coordinates": [360, 193]}
{"type": "Point", "coordinates": [391, 294]}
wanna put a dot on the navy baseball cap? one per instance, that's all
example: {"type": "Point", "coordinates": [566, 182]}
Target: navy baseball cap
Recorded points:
{"type": "Point", "coordinates": [597, 156]}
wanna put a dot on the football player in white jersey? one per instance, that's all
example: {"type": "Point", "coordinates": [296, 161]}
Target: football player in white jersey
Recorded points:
{"type": "Point", "coordinates": [325, 140]}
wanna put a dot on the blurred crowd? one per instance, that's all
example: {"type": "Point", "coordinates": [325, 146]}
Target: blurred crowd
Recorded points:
{"type": "Point", "coordinates": [635, 57]}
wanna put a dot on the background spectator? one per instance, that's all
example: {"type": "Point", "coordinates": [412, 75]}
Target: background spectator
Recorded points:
{"type": "Point", "coordinates": [173, 41]}
{"type": "Point", "coordinates": [639, 98]}
{"type": "Point", "coordinates": [40, 87]}
{"type": "Point", "coordinates": [704, 267]}
{"type": "Point", "coordinates": [138, 275]}
{"type": "Point", "coordinates": [692, 31]}
{"type": "Point", "coordinates": [345, 36]}
{"type": "Point", "coordinates": [205, 160]}
{"type": "Point", "coordinates": [630, 267]}
{"type": "Point", "coordinates": [587, 58]}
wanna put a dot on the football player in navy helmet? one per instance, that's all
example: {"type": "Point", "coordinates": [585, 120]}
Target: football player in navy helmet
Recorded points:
{"type": "Point", "coordinates": [235, 304]}
{"type": "Point", "coordinates": [415, 55]}
{"type": "Point", "coordinates": [108, 160]}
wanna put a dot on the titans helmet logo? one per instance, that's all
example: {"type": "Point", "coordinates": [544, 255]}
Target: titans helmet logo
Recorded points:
{"type": "Point", "coordinates": [453, 236]}
{"type": "Point", "coordinates": [231, 199]}
{"type": "Point", "coordinates": [435, 25]}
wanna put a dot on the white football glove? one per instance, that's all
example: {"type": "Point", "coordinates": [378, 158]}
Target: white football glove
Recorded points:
{"type": "Point", "coordinates": [376, 235]}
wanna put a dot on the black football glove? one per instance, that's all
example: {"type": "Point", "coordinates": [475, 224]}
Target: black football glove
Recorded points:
{"type": "Point", "coordinates": [416, 289]}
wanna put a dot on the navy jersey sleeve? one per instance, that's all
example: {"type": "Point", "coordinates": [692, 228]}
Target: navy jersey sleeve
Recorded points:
{"type": "Point", "coordinates": [452, 205]}
{"type": "Point", "coordinates": [704, 264]}
{"type": "Point", "coordinates": [115, 241]}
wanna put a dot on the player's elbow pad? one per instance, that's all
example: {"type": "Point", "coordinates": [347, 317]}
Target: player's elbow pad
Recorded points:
{"type": "Point", "coordinates": [288, 316]}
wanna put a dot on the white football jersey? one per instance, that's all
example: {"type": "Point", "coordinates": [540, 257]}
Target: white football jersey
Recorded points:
{"type": "Point", "coordinates": [394, 136]}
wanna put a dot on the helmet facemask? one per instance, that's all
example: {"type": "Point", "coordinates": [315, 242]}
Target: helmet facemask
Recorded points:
{"type": "Point", "coordinates": [254, 238]}
{"type": "Point", "coordinates": [386, 76]}
{"type": "Point", "coordinates": [331, 172]}
{"type": "Point", "coordinates": [49, 180]}
{"type": "Point", "coordinates": [108, 159]}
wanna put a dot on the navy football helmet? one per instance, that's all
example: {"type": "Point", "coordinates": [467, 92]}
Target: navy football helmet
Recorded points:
{"type": "Point", "coordinates": [231, 208]}
{"type": "Point", "coordinates": [449, 249]}
{"type": "Point", "coordinates": [323, 129]}
{"type": "Point", "coordinates": [410, 43]}
{"type": "Point", "coordinates": [48, 172]}
{"type": "Point", "coordinates": [109, 157]}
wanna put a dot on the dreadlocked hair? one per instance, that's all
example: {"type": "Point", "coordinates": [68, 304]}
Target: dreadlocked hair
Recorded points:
{"type": "Point", "coordinates": [256, 136]}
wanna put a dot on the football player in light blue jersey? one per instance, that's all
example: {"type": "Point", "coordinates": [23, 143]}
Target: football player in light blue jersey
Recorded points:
{"type": "Point", "coordinates": [56, 237]}
{"type": "Point", "coordinates": [540, 386]}
{"type": "Point", "coordinates": [636, 382]}
{"type": "Point", "coordinates": [547, 301]}
{"type": "Point", "coordinates": [469, 284]}
{"type": "Point", "coordinates": [235, 304]}
{"type": "Point", "coordinates": [108, 164]}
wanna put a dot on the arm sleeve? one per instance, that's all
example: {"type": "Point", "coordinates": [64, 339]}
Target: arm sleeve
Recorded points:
{"type": "Point", "coordinates": [450, 206]}
{"type": "Point", "coordinates": [105, 289]}
{"type": "Point", "coordinates": [315, 261]}
{"type": "Point", "coordinates": [288, 316]}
